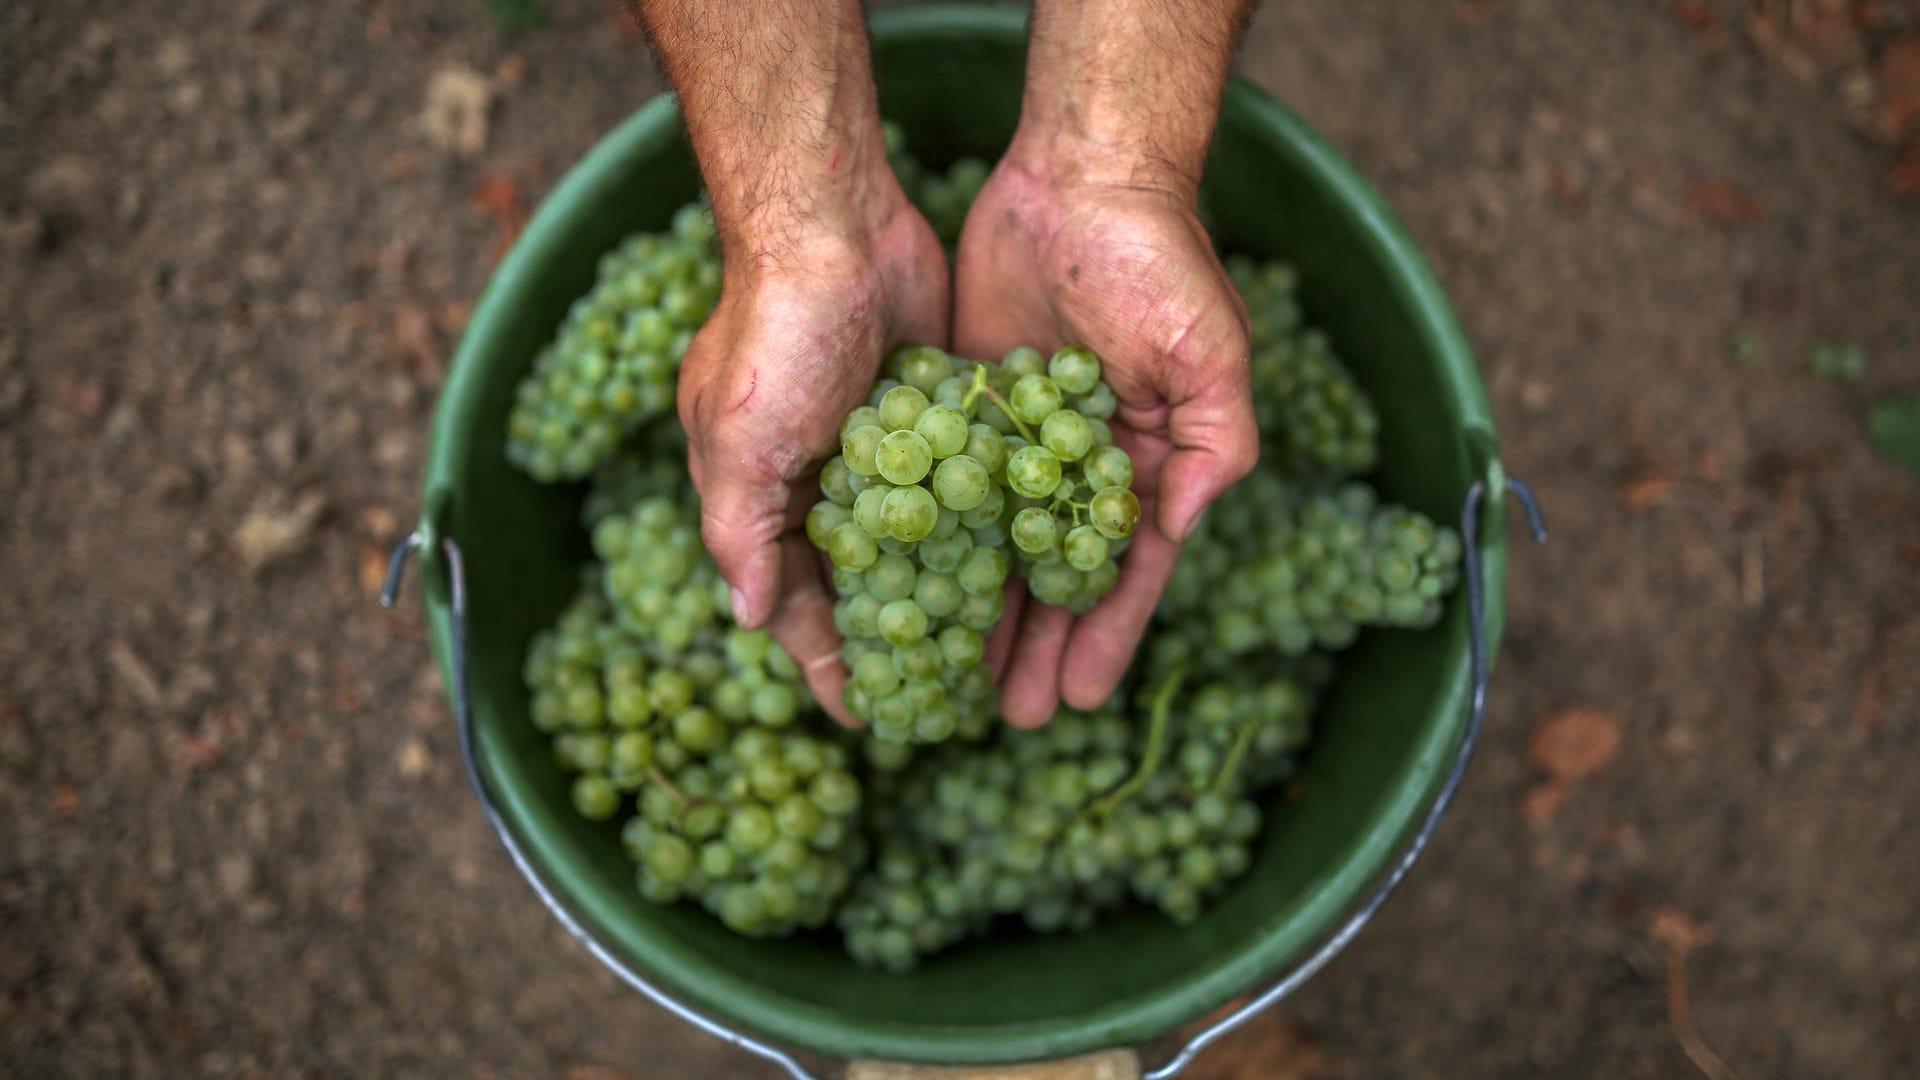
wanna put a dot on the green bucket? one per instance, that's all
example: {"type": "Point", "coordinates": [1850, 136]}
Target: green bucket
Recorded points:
{"type": "Point", "coordinates": [1392, 739]}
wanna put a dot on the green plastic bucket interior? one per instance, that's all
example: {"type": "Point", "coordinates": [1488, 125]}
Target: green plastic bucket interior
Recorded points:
{"type": "Point", "coordinates": [952, 78]}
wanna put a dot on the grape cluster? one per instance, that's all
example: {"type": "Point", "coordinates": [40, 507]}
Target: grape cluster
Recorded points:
{"type": "Point", "coordinates": [652, 694]}
{"type": "Point", "coordinates": [948, 462]}
{"type": "Point", "coordinates": [615, 362]}
{"type": "Point", "coordinates": [1317, 419]}
{"type": "Point", "coordinates": [1288, 569]}
{"type": "Point", "coordinates": [1058, 825]}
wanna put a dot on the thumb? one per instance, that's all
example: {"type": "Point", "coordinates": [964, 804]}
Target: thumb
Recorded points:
{"type": "Point", "coordinates": [743, 509]}
{"type": "Point", "coordinates": [1216, 442]}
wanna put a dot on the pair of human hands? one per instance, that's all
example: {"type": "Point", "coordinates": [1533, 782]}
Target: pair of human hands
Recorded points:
{"type": "Point", "coordinates": [1052, 253]}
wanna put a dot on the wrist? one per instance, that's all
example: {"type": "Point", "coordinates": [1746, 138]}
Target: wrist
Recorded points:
{"type": "Point", "coordinates": [771, 211]}
{"type": "Point", "coordinates": [1063, 157]}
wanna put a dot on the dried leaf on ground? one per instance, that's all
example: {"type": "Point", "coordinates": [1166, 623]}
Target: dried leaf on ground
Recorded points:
{"type": "Point", "coordinates": [1720, 202]}
{"type": "Point", "coordinates": [1574, 742]}
{"type": "Point", "coordinates": [1648, 490]}
{"type": "Point", "coordinates": [275, 530]}
{"type": "Point", "coordinates": [458, 102]}
{"type": "Point", "coordinates": [498, 197]}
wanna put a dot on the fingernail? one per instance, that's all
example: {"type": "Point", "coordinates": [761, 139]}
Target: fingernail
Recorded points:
{"type": "Point", "coordinates": [1193, 523]}
{"type": "Point", "coordinates": [739, 606]}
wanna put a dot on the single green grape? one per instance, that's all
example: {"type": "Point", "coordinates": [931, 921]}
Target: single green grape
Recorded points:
{"type": "Point", "coordinates": [869, 509]}
{"type": "Point", "coordinates": [1115, 511]}
{"type": "Point", "coordinates": [1024, 361]}
{"type": "Point", "coordinates": [903, 457]}
{"type": "Point", "coordinates": [1055, 583]}
{"type": "Point", "coordinates": [1084, 548]}
{"type": "Point", "coordinates": [945, 429]}
{"type": "Point", "coordinates": [900, 406]}
{"type": "Point", "coordinates": [1097, 404]}
{"type": "Point", "coordinates": [858, 448]}
{"type": "Point", "coordinates": [1075, 368]}
{"type": "Point", "coordinates": [850, 547]}
{"type": "Point", "coordinates": [1033, 530]}
{"type": "Point", "coordinates": [984, 571]}
{"type": "Point", "coordinates": [986, 446]}
{"type": "Point", "coordinates": [595, 797]}
{"type": "Point", "coordinates": [1033, 471]}
{"type": "Point", "coordinates": [910, 513]}
{"type": "Point", "coordinates": [1107, 467]}
{"type": "Point", "coordinates": [961, 483]}
{"type": "Point", "coordinates": [924, 368]}
{"type": "Point", "coordinates": [891, 578]}
{"type": "Point", "coordinates": [903, 622]}
{"type": "Point", "coordinates": [1067, 434]}
{"type": "Point", "coordinates": [952, 390]}
{"type": "Point", "coordinates": [962, 646]}
{"type": "Point", "coordinates": [864, 416]}
{"type": "Point", "coordinates": [939, 594]}
{"type": "Point", "coordinates": [825, 517]}
{"type": "Point", "coordinates": [836, 482]}
{"type": "Point", "coordinates": [875, 674]}
{"type": "Point", "coordinates": [1034, 398]}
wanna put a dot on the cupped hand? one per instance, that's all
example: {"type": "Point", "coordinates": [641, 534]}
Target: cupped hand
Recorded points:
{"type": "Point", "coordinates": [794, 344]}
{"type": "Point", "coordinates": [1053, 255]}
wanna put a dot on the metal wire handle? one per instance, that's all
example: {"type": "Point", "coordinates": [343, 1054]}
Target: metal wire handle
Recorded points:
{"type": "Point", "coordinates": [1477, 649]}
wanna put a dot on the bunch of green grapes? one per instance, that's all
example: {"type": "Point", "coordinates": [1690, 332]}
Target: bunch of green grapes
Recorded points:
{"type": "Point", "coordinates": [1316, 419]}
{"type": "Point", "coordinates": [1059, 825]}
{"type": "Point", "coordinates": [654, 696]}
{"type": "Point", "coordinates": [615, 362]}
{"type": "Point", "coordinates": [947, 462]}
{"type": "Point", "coordinates": [1278, 568]}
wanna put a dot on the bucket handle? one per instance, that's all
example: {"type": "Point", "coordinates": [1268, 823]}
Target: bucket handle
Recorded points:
{"type": "Point", "coordinates": [1500, 485]}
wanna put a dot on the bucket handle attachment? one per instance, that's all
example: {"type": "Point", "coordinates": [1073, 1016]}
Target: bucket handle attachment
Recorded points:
{"type": "Point", "coordinates": [1500, 485]}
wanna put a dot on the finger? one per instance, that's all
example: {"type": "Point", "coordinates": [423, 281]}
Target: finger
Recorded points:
{"type": "Point", "coordinates": [1031, 693]}
{"type": "Point", "coordinates": [1216, 442]}
{"type": "Point", "coordinates": [742, 516]}
{"type": "Point", "coordinates": [1007, 631]}
{"type": "Point", "coordinates": [1104, 640]}
{"type": "Point", "coordinates": [803, 625]}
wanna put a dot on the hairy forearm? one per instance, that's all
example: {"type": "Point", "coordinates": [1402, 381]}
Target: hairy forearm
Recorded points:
{"type": "Point", "coordinates": [1127, 91]}
{"type": "Point", "coordinates": [779, 102]}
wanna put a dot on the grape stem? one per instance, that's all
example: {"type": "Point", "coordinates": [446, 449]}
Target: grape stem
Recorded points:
{"type": "Point", "coordinates": [1235, 756]}
{"type": "Point", "coordinates": [980, 386]}
{"type": "Point", "coordinates": [686, 801]}
{"type": "Point", "coordinates": [1161, 709]}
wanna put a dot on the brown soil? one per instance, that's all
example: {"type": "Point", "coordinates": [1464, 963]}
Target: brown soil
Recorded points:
{"type": "Point", "coordinates": [237, 842]}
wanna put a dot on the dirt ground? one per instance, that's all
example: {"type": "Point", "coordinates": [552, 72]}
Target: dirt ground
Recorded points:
{"type": "Point", "coordinates": [234, 837]}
